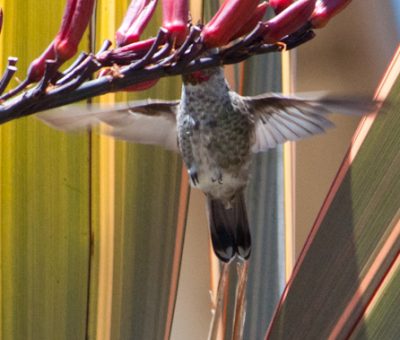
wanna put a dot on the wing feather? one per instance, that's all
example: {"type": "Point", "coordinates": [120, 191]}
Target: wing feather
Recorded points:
{"type": "Point", "coordinates": [145, 122]}
{"type": "Point", "coordinates": [279, 119]}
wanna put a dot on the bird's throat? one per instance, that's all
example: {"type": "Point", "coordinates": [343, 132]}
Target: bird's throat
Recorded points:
{"type": "Point", "coordinates": [197, 77]}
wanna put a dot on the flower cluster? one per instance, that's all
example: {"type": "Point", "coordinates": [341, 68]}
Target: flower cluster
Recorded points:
{"type": "Point", "coordinates": [236, 32]}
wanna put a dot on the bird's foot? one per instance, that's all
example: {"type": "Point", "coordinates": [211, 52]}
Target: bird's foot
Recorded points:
{"type": "Point", "coordinates": [217, 178]}
{"type": "Point", "coordinates": [193, 176]}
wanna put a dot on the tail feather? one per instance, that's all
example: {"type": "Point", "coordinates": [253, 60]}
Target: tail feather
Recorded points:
{"type": "Point", "coordinates": [229, 227]}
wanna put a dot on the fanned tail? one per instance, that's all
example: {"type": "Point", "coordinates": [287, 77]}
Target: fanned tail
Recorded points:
{"type": "Point", "coordinates": [229, 227]}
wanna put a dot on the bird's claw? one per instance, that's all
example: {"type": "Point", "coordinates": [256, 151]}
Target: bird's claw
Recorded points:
{"type": "Point", "coordinates": [193, 176]}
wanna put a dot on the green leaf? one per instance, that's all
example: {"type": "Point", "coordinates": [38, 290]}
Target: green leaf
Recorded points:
{"type": "Point", "coordinates": [44, 203]}
{"type": "Point", "coordinates": [383, 319]}
{"type": "Point", "coordinates": [353, 244]}
{"type": "Point", "coordinates": [91, 228]}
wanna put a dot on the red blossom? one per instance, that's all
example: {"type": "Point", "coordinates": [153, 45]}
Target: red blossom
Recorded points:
{"type": "Point", "coordinates": [175, 19]}
{"type": "Point", "coordinates": [279, 5]}
{"type": "Point", "coordinates": [325, 10]}
{"type": "Point", "coordinates": [135, 21]}
{"type": "Point", "coordinates": [74, 24]}
{"type": "Point", "coordinates": [76, 18]}
{"type": "Point", "coordinates": [253, 21]}
{"type": "Point", "coordinates": [289, 20]}
{"type": "Point", "coordinates": [230, 18]}
{"type": "Point", "coordinates": [37, 67]}
{"type": "Point", "coordinates": [1, 19]}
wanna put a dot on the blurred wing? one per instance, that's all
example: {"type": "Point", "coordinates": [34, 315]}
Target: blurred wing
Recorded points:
{"type": "Point", "coordinates": [280, 119]}
{"type": "Point", "coordinates": [145, 122]}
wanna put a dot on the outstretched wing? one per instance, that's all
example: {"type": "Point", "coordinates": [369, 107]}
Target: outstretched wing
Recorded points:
{"type": "Point", "coordinates": [279, 119]}
{"type": "Point", "coordinates": [145, 122]}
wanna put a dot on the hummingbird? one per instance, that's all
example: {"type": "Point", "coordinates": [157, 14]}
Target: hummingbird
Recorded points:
{"type": "Point", "coordinates": [216, 131]}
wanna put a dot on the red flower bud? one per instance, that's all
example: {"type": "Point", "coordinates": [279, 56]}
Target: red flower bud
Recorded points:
{"type": "Point", "coordinates": [66, 19]}
{"type": "Point", "coordinates": [1, 19]}
{"type": "Point", "coordinates": [253, 21]}
{"type": "Point", "coordinates": [75, 19]}
{"type": "Point", "coordinates": [325, 10]}
{"type": "Point", "coordinates": [37, 67]}
{"type": "Point", "coordinates": [175, 19]}
{"type": "Point", "coordinates": [289, 20]}
{"type": "Point", "coordinates": [135, 21]}
{"type": "Point", "coordinates": [140, 47]}
{"type": "Point", "coordinates": [279, 5]}
{"type": "Point", "coordinates": [72, 28]}
{"type": "Point", "coordinates": [230, 18]}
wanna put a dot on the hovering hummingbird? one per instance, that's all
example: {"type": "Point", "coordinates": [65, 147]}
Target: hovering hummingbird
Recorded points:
{"type": "Point", "coordinates": [216, 130]}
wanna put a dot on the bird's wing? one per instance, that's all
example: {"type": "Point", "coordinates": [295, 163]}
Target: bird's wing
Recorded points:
{"type": "Point", "coordinates": [279, 119]}
{"type": "Point", "coordinates": [145, 122]}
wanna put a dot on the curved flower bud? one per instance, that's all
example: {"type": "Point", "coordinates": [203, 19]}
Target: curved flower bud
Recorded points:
{"type": "Point", "coordinates": [289, 20]}
{"type": "Point", "coordinates": [72, 28]}
{"type": "Point", "coordinates": [135, 21]}
{"type": "Point", "coordinates": [76, 18]}
{"type": "Point", "coordinates": [1, 19]}
{"type": "Point", "coordinates": [325, 10]}
{"type": "Point", "coordinates": [139, 47]}
{"type": "Point", "coordinates": [253, 21]}
{"type": "Point", "coordinates": [37, 67]}
{"type": "Point", "coordinates": [175, 19]}
{"type": "Point", "coordinates": [279, 5]}
{"type": "Point", "coordinates": [230, 18]}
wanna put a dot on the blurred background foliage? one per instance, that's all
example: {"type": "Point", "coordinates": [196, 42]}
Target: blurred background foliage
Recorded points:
{"type": "Point", "coordinates": [92, 229]}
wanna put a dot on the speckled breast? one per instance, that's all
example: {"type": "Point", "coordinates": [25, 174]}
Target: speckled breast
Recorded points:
{"type": "Point", "coordinates": [214, 133]}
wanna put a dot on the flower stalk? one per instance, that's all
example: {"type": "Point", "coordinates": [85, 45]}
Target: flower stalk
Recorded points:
{"type": "Point", "coordinates": [237, 28]}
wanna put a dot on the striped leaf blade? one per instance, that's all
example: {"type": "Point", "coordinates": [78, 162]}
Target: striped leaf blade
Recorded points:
{"type": "Point", "coordinates": [44, 202]}
{"type": "Point", "coordinates": [140, 198]}
{"type": "Point", "coordinates": [355, 242]}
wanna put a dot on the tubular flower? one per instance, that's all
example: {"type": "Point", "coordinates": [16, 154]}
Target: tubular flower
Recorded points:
{"type": "Point", "coordinates": [289, 20]}
{"type": "Point", "coordinates": [253, 21]}
{"type": "Point", "coordinates": [135, 21]}
{"type": "Point", "coordinates": [175, 19]}
{"type": "Point", "coordinates": [325, 10]}
{"type": "Point", "coordinates": [279, 5]}
{"type": "Point", "coordinates": [230, 18]}
{"type": "Point", "coordinates": [1, 19]}
{"type": "Point", "coordinates": [76, 18]}
{"type": "Point", "coordinates": [72, 28]}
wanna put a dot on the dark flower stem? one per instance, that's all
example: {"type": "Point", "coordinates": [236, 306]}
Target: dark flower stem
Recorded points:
{"type": "Point", "coordinates": [187, 60]}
